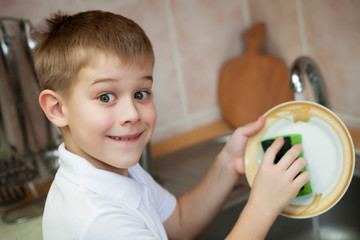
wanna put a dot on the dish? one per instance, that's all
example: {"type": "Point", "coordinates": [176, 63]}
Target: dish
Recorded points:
{"type": "Point", "coordinates": [328, 149]}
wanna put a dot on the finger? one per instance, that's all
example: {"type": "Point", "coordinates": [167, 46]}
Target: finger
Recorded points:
{"type": "Point", "coordinates": [271, 152]}
{"type": "Point", "coordinates": [251, 129]}
{"type": "Point", "coordinates": [290, 156]}
{"type": "Point", "coordinates": [241, 135]}
{"type": "Point", "coordinates": [296, 167]}
{"type": "Point", "coordinates": [300, 180]}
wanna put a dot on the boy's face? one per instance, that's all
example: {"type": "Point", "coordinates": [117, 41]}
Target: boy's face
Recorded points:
{"type": "Point", "coordinates": [110, 113]}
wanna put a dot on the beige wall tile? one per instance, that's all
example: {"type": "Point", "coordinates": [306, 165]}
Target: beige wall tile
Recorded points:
{"type": "Point", "coordinates": [192, 39]}
{"type": "Point", "coordinates": [327, 31]}
{"type": "Point", "coordinates": [332, 31]}
{"type": "Point", "coordinates": [208, 34]}
{"type": "Point", "coordinates": [282, 39]}
{"type": "Point", "coordinates": [169, 130]}
{"type": "Point", "coordinates": [33, 8]}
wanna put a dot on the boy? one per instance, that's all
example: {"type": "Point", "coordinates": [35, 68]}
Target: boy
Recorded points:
{"type": "Point", "coordinates": [95, 70]}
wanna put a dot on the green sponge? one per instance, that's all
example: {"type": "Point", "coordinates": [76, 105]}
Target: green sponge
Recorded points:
{"type": "Point", "coordinates": [289, 141]}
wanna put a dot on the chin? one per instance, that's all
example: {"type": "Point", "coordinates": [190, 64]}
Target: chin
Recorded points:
{"type": "Point", "coordinates": [130, 161]}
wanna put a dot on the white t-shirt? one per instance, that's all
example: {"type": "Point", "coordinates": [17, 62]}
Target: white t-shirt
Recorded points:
{"type": "Point", "coordinates": [89, 203]}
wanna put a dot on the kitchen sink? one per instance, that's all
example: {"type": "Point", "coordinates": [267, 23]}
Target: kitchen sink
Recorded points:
{"type": "Point", "coordinates": [179, 171]}
{"type": "Point", "coordinates": [342, 222]}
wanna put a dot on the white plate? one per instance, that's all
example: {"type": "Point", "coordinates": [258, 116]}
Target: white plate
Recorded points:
{"type": "Point", "coordinates": [328, 149]}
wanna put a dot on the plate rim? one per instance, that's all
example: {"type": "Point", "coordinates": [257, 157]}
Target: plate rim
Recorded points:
{"type": "Point", "coordinates": [302, 211]}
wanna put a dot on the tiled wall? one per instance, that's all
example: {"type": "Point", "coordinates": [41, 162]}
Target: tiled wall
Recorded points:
{"type": "Point", "coordinates": [192, 39]}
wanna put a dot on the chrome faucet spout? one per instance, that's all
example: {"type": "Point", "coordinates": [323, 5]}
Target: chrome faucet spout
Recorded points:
{"type": "Point", "coordinates": [306, 66]}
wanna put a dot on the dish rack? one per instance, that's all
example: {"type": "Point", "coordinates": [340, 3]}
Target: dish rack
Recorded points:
{"type": "Point", "coordinates": [28, 141]}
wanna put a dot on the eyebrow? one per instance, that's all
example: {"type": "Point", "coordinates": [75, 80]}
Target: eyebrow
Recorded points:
{"type": "Point", "coordinates": [149, 78]}
{"type": "Point", "coordinates": [101, 80]}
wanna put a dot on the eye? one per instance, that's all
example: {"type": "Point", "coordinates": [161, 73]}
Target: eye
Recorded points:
{"type": "Point", "coordinates": [141, 95]}
{"type": "Point", "coordinates": [107, 97]}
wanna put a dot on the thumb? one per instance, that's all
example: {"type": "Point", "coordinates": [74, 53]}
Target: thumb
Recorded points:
{"type": "Point", "coordinates": [253, 128]}
{"type": "Point", "coordinates": [236, 144]}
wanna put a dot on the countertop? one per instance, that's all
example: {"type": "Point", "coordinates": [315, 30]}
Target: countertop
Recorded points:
{"type": "Point", "coordinates": [30, 230]}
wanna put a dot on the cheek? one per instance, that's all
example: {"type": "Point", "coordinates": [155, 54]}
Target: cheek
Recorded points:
{"type": "Point", "coordinates": [101, 122]}
{"type": "Point", "coordinates": [151, 115]}
{"type": "Point", "coordinates": [94, 123]}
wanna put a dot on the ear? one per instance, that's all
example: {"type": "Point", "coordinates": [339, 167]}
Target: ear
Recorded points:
{"type": "Point", "coordinates": [50, 103]}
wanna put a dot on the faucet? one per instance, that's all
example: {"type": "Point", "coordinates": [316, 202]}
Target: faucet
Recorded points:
{"type": "Point", "coordinates": [306, 65]}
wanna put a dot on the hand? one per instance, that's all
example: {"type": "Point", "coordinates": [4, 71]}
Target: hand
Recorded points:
{"type": "Point", "coordinates": [233, 151]}
{"type": "Point", "coordinates": [276, 185]}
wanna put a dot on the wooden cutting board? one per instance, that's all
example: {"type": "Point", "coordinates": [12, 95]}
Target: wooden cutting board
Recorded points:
{"type": "Point", "coordinates": [251, 84]}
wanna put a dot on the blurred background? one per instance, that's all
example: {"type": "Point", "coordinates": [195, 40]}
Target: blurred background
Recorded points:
{"type": "Point", "coordinates": [193, 39]}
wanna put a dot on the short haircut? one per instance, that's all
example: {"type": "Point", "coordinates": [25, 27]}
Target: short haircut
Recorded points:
{"type": "Point", "coordinates": [71, 41]}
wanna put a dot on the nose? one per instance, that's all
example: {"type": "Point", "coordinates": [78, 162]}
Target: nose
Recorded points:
{"type": "Point", "coordinates": [128, 111]}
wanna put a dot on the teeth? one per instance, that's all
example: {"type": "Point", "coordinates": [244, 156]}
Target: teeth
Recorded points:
{"type": "Point", "coordinates": [123, 139]}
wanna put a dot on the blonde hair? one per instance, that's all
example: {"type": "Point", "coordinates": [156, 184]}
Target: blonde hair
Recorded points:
{"type": "Point", "coordinates": [72, 41]}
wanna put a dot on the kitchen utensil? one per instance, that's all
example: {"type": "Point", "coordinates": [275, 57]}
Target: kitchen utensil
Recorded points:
{"type": "Point", "coordinates": [13, 171]}
{"type": "Point", "coordinates": [328, 149]}
{"type": "Point", "coordinates": [28, 157]}
{"type": "Point", "coordinates": [251, 84]}
{"type": "Point", "coordinates": [12, 195]}
{"type": "Point", "coordinates": [29, 43]}
{"type": "Point", "coordinates": [27, 30]}
{"type": "Point", "coordinates": [15, 88]}
{"type": "Point", "coordinates": [35, 207]}
{"type": "Point", "coordinates": [6, 152]}
{"type": "Point", "coordinates": [49, 156]}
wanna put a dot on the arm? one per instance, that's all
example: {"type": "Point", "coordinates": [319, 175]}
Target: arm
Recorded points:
{"type": "Point", "coordinates": [274, 187]}
{"type": "Point", "coordinates": [197, 208]}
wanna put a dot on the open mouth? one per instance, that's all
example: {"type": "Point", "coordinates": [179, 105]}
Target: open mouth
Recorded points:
{"type": "Point", "coordinates": [132, 137]}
